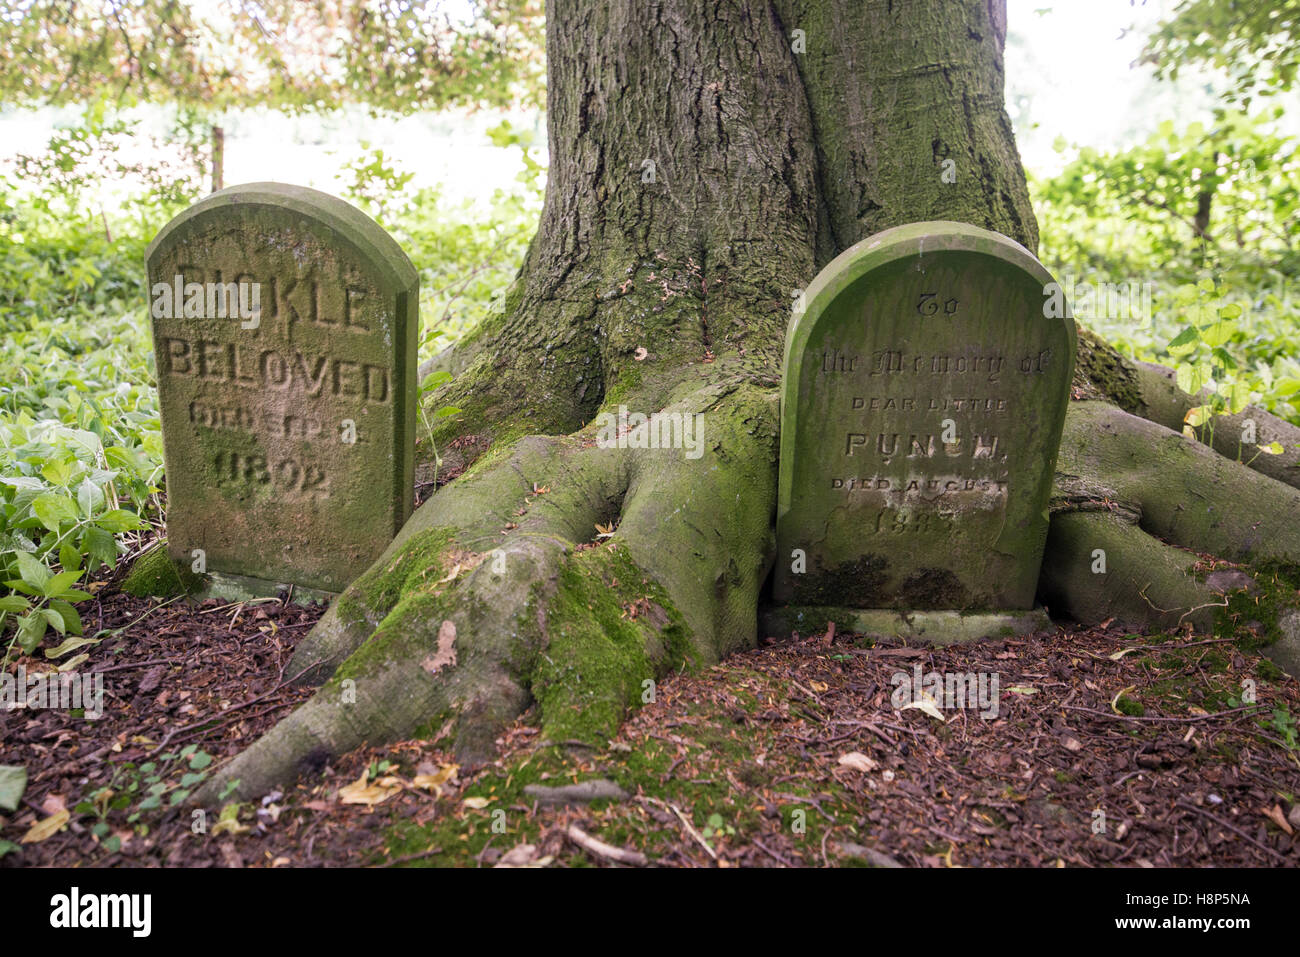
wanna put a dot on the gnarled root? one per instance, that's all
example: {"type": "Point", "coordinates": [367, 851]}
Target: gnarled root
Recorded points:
{"type": "Point", "coordinates": [503, 591]}
{"type": "Point", "coordinates": [1135, 502]}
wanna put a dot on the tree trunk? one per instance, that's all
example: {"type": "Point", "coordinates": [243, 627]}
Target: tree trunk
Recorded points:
{"type": "Point", "coordinates": [707, 159]}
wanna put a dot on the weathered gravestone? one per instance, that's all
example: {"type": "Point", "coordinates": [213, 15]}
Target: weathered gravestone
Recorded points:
{"type": "Point", "coordinates": [284, 328]}
{"type": "Point", "coordinates": [925, 387]}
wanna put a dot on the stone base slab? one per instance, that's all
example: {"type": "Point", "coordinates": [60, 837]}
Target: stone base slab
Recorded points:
{"type": "Point", "coordinates": [919, 627]}
{"type": "Point", "coordinates": [232, 588]}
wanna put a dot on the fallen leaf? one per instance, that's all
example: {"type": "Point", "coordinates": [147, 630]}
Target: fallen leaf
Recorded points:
{"type": "Point", "coordinates": [46, 827]}
{"type": "Point", "coordinates": [433, 781]}
{"type": "Point", "coordinates": [523, 855]}
{"type": "Point", "coordinates": [926, 705]}
{"type": "Point", "coordinates": [1022, 689]}
{"type": "Point", "coordinates": [53, 803]}
{"type": "Point", "coordinates": [361, 791]}
{"type": "Point", "coordinates": [451, 575]}
{"type": "Point", "coordinates": [857, 761]}
{"type": "Point", "coordinates": [13, 781]}
{"type": "Point", "coordinates": [476, 803]}
{"type": "Point", "coordinates": [1275, 815]}
{"type": "Point", "coordinates": [446, 652]}
{"type": "Point", "coordinates": [228, 822]}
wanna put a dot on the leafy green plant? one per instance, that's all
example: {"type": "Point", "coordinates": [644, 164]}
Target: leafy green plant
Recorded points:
{"type": "Point", "coordinates": [1206, 368]}
{"type": "Point", "coordinates": [136, 789]}
{"type": "Point", "coordinates": [1187, 207]}
{"type": "Point", "coordinates": [1284, 723]}
{"type": "Point", "coordinates": [717, 827]}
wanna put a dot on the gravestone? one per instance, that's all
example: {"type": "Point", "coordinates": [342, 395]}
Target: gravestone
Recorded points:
{"type": "Point", "coordinates": [924, 392]}
{"type": "Point", "coordinates": [285, 327]}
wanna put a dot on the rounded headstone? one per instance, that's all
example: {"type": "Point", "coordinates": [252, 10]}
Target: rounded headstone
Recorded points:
{"type": "Point", "coordinates": [285, 332]}
{"type": "Point", "coordinates": [924, 392]}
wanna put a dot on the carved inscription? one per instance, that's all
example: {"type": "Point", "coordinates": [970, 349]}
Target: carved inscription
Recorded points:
{"type": "Point", "coordinates": [923, 398]}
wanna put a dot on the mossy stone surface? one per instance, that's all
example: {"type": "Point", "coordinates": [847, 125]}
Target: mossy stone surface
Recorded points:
{"type": "Point", "coordinates": [288, 429]}
{"type": "Point", "coordinates": [923, 398]}
{"type": "Point", "coordinates": [156, 574]}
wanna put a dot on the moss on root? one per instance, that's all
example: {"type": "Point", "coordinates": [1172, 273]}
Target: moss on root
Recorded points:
{"type": "Point", "coordinates": [156, 574]}
{"type": "Point", "coordinates": [1252, 616]}
{"type": "Point", "coordinates": [412, 587]}
{"type": "Point", "coordinates": [610, 629]}
{"type": "Point", "coordinates": [422, 558]}
{"type": "Point", "coordinates": [1100, 372]}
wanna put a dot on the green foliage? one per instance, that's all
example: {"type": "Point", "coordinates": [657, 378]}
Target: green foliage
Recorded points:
{"type": "Point", "coordinates": [1284, 723]}
{"type": "Point", "coordinates": [397, 55]}
{"type": "Point", "coordinates": [1256, 43]}
{"type": "Point", "coordinates": [1207, 220]}
{"type": "Point", "coordinates": [80, 448]}
{"type": "Point", "coordinates": [1225, 199]}
{"type": "Point", "coordinates": [467, 256]}
{"type": "Point", "coordinates": [1206, 366]}
{"type": "Point", "coordinates": [136, 789]}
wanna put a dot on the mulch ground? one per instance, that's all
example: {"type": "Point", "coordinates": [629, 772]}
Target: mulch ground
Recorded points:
{"type": "Point", "coordinates": [1106, 749]}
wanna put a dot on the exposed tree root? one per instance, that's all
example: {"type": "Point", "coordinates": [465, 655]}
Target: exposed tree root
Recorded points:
{"type": "Point", "coordinates": [1135, 504]}
{"type": "Point", "coordinates": [502, 591]}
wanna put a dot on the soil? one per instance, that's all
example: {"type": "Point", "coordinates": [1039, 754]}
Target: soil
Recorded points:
{"type": "Point", "coordinates": [1106, 748]}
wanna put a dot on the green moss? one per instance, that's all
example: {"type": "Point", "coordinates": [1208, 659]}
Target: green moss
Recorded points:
{"type": "Point", "coordinates": [156, 574]}
{"type": "Point", "coordinates": [1278, 592]}
{"type": "Point", "coordinates": [1269, 671]}
{"type": "Point", "coordinates": [410, 587]}
{"type": "Point", "coordinates": [500, 449]}
{"type": "Point", "coordinates": [1126, 705]}
{"type": "Point", "coordinates": [420, 561]}
{"type": "Point", "coordinates": [610, 629]}
{"type": "Point", "coordinates": [1100, 371]}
